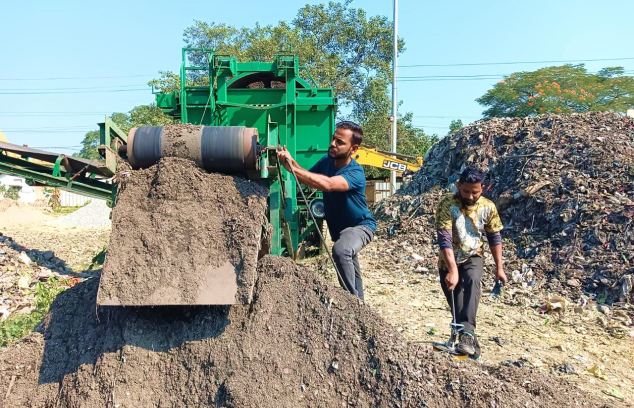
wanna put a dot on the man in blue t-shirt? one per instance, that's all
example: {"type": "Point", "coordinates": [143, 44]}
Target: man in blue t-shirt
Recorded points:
{"type": "Point", "coordinates": [342, 181]}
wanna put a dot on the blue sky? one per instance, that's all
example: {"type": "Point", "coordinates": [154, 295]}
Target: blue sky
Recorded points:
{"type": "Point", "coordinates": [126, 43]}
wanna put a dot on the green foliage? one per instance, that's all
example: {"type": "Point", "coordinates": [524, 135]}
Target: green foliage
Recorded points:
{"type": "Point", "coordinates": [19, 325]}
{"type": "Point", "coordinates": [99, 258]}
{"type": "Point", "coordinates": [564, 89]}
{"type": "Point", "coordinates": [58, 209]}
{"type": "Point", "coordinates": [13, 193]}
{"type": "Point", "coordinates": [343, 47]}
{"type": "Point", "coordinates": [411, 141]}
{"type": "Point", "coordinates": [455, 125]}
{"type": "Point", "coordinates": [3, 189]}
{"type": "Point", "coordinates": [144, 115]}
{"type": "Point", "coordinates": [89, 146]}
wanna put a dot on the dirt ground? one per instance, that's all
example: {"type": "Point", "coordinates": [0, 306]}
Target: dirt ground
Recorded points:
{"type": "Point", "coordinates": [410, 301]}
{"type": "Point", "coordinates": [302, 342]}
{"type": "Point", "coordinates": [76, 246]}
{"type": "Point", "coordinates": [510, 329]}
{"type": "Point", "coordinates": [14, 214]}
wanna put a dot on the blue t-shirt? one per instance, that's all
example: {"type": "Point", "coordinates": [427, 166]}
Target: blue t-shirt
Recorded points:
{"type": "Point", "coordinates": [345, 208]}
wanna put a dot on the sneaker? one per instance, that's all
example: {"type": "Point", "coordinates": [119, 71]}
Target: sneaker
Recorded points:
{"type": "Point", "coordinates": [467, 344]}
{"type": "Point", "coordinates": [478, 351]}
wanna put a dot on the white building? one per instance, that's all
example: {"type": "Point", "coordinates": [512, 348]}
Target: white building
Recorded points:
{"type": "Point", "coordinates": [26, 192]}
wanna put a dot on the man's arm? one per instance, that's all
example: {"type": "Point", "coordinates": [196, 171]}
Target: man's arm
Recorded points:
{"type": "Point", "coordinates": [319, 181]}
{"type": "Point", "coordinates": [495, 243]}
{"type": "Point", "coordinates": [313, 180]}
{"type": "Point", "coordinates": [445, 239]}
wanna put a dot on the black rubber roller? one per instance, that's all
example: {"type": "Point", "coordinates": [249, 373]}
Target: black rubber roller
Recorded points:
{"type": "Point", "coordinates": [147, 147]}
{"type": "Point", "coordinates": [223, 149]}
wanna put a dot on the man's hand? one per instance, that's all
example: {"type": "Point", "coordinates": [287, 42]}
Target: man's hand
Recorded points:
{"type": "Point", "coordinates": [452, 279]}
{"type": "Point", "coordinates": [500, 275]}
{"type": "Point", "coordinates": [284, 156]}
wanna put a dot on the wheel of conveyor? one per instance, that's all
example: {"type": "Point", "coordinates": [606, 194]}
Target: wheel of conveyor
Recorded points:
{"type": "Point", "coordinates": [224, 149]}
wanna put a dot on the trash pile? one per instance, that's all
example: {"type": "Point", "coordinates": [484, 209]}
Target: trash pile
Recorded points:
{"type": "Point", "coordinates": [405, 238]}
{"type": "Point", "coordinates": [564, 186]}
{"type": "Point", "coordinates": [301, 342]}
{"type": "Point", "coordinates": [21, 269]}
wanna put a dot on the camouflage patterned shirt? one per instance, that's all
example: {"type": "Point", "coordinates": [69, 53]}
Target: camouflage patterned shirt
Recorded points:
{"type": "Point", "coordinates": [467, 225]}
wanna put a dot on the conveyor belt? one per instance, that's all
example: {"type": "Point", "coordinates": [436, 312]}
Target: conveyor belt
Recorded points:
{"type": "Point", "coordinates": [71, 164]}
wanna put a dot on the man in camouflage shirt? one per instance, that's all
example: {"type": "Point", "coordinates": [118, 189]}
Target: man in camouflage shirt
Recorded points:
{"type": "Point", "coordinates": [461, 220]}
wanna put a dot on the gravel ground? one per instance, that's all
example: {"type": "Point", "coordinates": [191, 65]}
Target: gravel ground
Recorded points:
{"type": "Point", "coordinates": [94, 215]}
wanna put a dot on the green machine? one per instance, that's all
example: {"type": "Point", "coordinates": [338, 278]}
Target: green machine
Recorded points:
{"type": "Point", "coordinates": [286, 110]}
{"type": "Point", "coordinates": [247, 111]}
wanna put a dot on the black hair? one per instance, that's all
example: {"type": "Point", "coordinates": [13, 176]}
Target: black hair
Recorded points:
{"type": "Point", "coordinates": [472, 174]}
{"type": "Point", "coordinates": [357, 132]}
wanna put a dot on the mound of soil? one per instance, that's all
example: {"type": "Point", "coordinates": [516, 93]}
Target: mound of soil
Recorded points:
{"type": "Point", "coordinates": [299, 343]}
{"type": "Point", "coordinates": [181, 235]}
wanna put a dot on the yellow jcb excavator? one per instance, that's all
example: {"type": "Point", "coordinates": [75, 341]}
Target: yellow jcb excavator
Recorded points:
{"type": "Point", "coordinates": [386, 160]}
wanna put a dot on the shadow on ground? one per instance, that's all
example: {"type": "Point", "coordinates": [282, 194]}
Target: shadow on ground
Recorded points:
{"type": "Point", "coordinates": [77, 332]}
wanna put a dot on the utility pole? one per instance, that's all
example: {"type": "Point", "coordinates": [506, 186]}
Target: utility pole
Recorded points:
{"type": "Point", "coordinates": [394, 93]}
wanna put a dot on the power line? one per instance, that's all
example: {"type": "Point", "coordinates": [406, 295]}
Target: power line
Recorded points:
{"type": "Point", "coordinates": [73, 92]}
{"type": "Point", "coordinates": [431, 127]}
{"type": "Point", "coordinates": [48, 127]}
{"type": "Point", "coordinates": [50, 112]}
{"type": "Point", "coordinates": [49, 131]}
{"type": "Point", "coordinates": [26, 115]}
{"type": "Point", "coordinates": [446, 117]}
{"type": "Point", "coordinates": [58, 147]}
{"type": "Point", "coordinates": [72, 89]}
{"type": "Point", "coordinates": [73, 78]}
{"type": "Point", "coordinates": [471, 64]}
{"type": "Point", "coordinates": [426, 78]}
{"type": "Point", "coordinates": [451, 79]}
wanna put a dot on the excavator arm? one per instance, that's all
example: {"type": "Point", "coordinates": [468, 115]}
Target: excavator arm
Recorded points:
{"type": "Point", "coordinates": [385, 160]}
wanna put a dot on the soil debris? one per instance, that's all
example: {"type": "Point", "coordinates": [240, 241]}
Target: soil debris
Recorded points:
{"type": "Point", "coordinates": [177, 229]}
{"type": "Point", "coordinates": [182, 140]}
{"type": "Point", "coordinates": [301, 342]}
{"type": "Point", "coordinates": [21, 269]}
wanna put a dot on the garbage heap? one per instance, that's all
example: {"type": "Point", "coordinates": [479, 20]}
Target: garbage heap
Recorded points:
{"type": "Point", "coordinates": [564, 186]}
{"type": "Point", "coordinates": [21, 269]}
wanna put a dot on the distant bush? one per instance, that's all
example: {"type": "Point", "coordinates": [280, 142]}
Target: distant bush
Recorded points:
{"type": "Point", "coordinates": [13, 193]}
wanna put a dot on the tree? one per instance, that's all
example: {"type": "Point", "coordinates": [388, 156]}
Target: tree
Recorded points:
{"type": "Point", "coordinates": [564, 89]}
{"type": "Point", "coordinates": [455, 125]}
{"type": "Point", "coordinates": [144, 115]}
{"type": "Point", "coordinates": [344, 49]}
{"type": "Point", "coordinates": [89, 146]}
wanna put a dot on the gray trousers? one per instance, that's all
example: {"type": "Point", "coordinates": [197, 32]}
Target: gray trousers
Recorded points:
{"type": "Point", "coordinates": [467, 292]}
{"type": "Point", "coordinates": [345, 250]}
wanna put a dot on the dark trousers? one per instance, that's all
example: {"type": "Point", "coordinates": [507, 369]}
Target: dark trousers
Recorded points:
{"type": "Point", "coordinates": [466, 293]}
{"type": "Point", "coordinates": [345, 251]}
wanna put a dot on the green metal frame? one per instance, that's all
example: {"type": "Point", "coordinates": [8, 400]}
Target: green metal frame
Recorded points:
{"type": "Point", "coordinates": [111, 138]}
{"type": "Point", "coordinates": [56, 176]}
{"type": "Point", "coordinates": [299, 116]}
